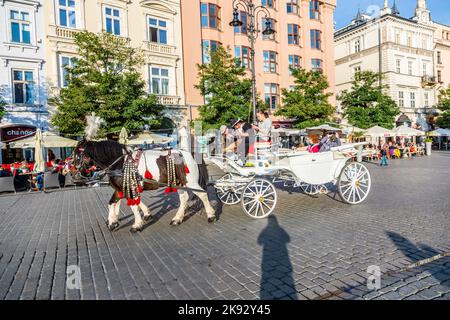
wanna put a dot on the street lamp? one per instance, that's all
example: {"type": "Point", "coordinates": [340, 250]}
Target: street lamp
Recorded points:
{"type": "Point", "coordinates": [252, 11]}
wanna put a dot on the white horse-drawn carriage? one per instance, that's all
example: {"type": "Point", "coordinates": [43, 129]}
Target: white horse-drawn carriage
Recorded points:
{"type": "Point", "coordinates": [254, 188]}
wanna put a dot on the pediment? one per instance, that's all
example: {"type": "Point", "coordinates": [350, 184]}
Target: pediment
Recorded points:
{"type": "Point", "coordinates": [159, 5]}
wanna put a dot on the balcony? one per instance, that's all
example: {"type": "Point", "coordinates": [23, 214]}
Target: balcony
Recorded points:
{"type": "Point", "coordinates": [66, 33]}
{"type": "Point", "coordinates": [429, 81]}
{"type": "Point", "coordinates": [160, 48]}
{"type": "Point", "coordinates": [168, 100]}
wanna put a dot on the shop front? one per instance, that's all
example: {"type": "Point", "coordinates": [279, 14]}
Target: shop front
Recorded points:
{"type": "Point", "coordinates": [11, 132]}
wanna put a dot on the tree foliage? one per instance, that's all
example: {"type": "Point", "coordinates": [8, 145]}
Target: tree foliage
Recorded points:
{"type": "Point", "coordinates": [307, 102]}
{"type": "Point", "coordinates": [227, 91]}
{"type": "Point", "coordinates": [2, 107]}
{"type": "Point", "coordinates": [443, 120]}
{"type": "Point", "coordinates": [366, 105]}
{"type": "Point", "coordinates": [105, 79]}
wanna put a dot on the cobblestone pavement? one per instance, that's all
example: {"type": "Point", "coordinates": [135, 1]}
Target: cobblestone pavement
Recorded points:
{"type": "Point", "coordinates": [314, 248]}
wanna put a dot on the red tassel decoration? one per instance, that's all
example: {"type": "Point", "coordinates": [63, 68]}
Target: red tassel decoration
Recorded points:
{"type": "Point", "coordinates": [148, 175]}
{"type": "Point", "coordinates": [170, 190]}
{"type": "Point", "coordinates": [120, 194]}
{"type": "Point", "coordinates": [138, 201]}
{"type": "Point", "coordinates": [186, 169]}
{"type": "Point", "coordinates": [129, 202]}
{"type": "Point", "coordinates": [139, 189]}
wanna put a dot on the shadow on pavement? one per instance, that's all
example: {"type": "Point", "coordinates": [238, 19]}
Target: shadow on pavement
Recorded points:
{"type": "Point", "coordinates": [276, 267]}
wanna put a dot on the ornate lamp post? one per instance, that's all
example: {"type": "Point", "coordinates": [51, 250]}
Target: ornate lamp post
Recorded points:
{"type": "Point", "coordinates": [253, 12]}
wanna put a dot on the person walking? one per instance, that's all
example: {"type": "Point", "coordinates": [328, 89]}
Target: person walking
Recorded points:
{"type": "Point", "coordinates": [384, 151]}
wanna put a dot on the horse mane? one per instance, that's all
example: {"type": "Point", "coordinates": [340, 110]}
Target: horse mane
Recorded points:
{"type": "Point", "coordinates": [105, 152]}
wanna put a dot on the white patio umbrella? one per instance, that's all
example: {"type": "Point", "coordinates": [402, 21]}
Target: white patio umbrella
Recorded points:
{"type": "Point", "coordinates": [49, 140]}
{"type": "Point", "coordinates": [123, 136]}
{"type": "Point", "coordinates": [404, 131]}
{"type": "Point", "coordinates": [379, 132]}
{"type": "Point", "coordinates": [440, 133]}
{"type": "Point", "coordinates": [148, 138]}
{"type": "Point", "coordinates": [39, 162]}
{"type": "Point", "coordinates": [324, 127]}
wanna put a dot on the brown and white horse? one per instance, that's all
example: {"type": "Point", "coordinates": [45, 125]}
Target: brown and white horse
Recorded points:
{"type": "Point", "coordinates": [110, 155]}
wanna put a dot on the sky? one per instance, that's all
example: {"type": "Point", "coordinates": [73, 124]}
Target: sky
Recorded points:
{"type": "Point", "coordinates": [346, 9]}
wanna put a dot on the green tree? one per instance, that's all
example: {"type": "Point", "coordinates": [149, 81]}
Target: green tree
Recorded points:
{"type": "Point", "coordinates": [2, 107]}
{"type": "Point", "coordinates": [443, 120]}
{"type": "Point", "coordinates": [366, 105]}
{"type": "Point", "coordinates": [228, 93]}
{"type": "Point", "coordinates": [105, 79]}
{"type": "Point", "coordinates": [307, 102]}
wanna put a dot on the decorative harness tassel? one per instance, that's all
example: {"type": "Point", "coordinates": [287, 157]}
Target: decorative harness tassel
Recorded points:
{"type": "Point", "coordinates": [131, 187]}
{"type": "Point", "coordinates": [171, 175]}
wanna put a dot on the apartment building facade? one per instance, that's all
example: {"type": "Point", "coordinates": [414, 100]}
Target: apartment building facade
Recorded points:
{"type": "Point", "coordinates": [154, 26]}
{"type": "Point", "coordinates": [402, 49]}
{"type": "Point", "coordinates": [442, 56]}
{"type": "Point", "coordinates": [303, 38]}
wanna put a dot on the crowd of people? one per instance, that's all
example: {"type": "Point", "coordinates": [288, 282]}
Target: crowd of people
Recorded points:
{"type": "Point", "coordinates": [394, 150]}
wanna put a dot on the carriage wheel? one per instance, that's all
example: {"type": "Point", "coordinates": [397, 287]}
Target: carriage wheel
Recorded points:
{"type": "Point", "coordinates": [311, 189]}
{"type": "Point", "coordinates": [228, 193]}
{"type": "Point", "coordinates": [354, 183]}
{"type": "Point", "coordinates": [259, 198]}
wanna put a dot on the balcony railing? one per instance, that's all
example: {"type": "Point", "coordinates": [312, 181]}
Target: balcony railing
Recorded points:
{"type": "Point", "coordinates": [66, 33]}
{"type": "Point", "coordinates": [168, 100]}
{"type": "Point", "coordinates": [428, 81]}
{"type": "Point", "coordinates": [160, 48]}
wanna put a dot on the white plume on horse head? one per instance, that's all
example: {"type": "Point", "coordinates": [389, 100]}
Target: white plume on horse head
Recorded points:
{"type": "Point", "coordinates": [93, 126]}
{"type": "Point", "coordinates": [184, 138]}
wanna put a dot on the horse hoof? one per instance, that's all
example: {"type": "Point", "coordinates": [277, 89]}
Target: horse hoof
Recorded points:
{"type": "Point", "coordinates": [212, 219]}
{"type": "Point", "coordinates": [134, 230]}
{"type": "Point", "coordinates": [148, 218]}
{"type": "Point", "coordinates": [175, 223]}
{"type": "Point", "coordinates": [113, 226]}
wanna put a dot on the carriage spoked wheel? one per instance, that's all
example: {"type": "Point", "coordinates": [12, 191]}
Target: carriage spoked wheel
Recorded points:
{"type": "Point", "coordinates": [311, 189]}
{"type": "Point", "coordinates": [228, 192]}
{"type": "Point", "coordinates": [354, 183]}
{"type": "Point", "coordinates": [259, 198]}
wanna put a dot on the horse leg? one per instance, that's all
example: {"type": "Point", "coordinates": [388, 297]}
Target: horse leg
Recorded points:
{"type": "Point", "coordinates": [138, 222]}
{"type": "Point", "coordinates": [210, 212]}
{"type": "Point", "coordinates": [113, 216]}
{"type": "Point", "coordinates": [147, 215]}
{"type": "Point", "coordinates": [184, 198]}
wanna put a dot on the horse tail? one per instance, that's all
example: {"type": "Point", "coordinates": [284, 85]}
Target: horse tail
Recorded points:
{"type": "Point", "coordinates": [203, 176]}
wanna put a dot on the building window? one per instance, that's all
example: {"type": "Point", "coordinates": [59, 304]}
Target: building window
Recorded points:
{"type": "Point", "coordinates": [316, 42]}
{"type": "Point", "coordinates": [67, 13]}
{"type": "Point", "coordinates": [357, 45]}
{"type": "Point", "coordinates": [292, 6]}
{"type": "Point", "coordinates": [270, 61]}
{"type": "Point", "coordinates": [409, 41]}
{"type": "Point", "coordinates": [439, 74]}
{"type": "Point", "coordinates": [20, 26]}
{"type": "Point", "coordinates": [112, 20]}
{"type": "Point", "coordinates": [357, 69]}
{"type": "Point", "coordinates": [242, 56]}
{"type": "Point", "coordinates": [271, 95]}
{"type": "Point", "coordinates": [208, 48]}
{"type": "Point", "coordinates": [272, 24]}
{"type": "Point", "coordinates": [295, 62]}
{"type": "Point", "coordinates": [426, 100]}
{"type": "Point", "coordinates": [23, 85]}
{"type": "Point", "coordinates": [424, 69]}
{"type": "Point", "coordinates": [293, 34]}
{"type": "Point", "coordinates": [243, 28]}
{"type": "Point", "coordinates": [412, 96]}
{"type": "Point", "coordinates": [314, 9]}
{"type": "Point", "coordinates": [268, 3]}
{"type": "Point", "coordinates": [398, 64]}
{"type": "Point", "coordinates": [65, 63]}
{"type": "Point", "coordinates": [157, 30]}
{"type": "Point", "coordinates": [439, 57]}
{"type": "Point", "coordinates": [210, 15]}
{"type": "Point", "coordinates": [397, 37]}
{"type": "Point", "coordinates": [316, 65]}
{"type": "Point", "coordinates": [401, 99]}
{"type": "Point", "coordinates": [159, 79]}
{"type": "Point", "coordinates": [410, 68]}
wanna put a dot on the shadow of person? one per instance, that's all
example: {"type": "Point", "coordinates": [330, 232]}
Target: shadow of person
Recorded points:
{"type": "Point", "coordinates": [420, 252]}
{"type": "Point", "coordinates": [276, 267]}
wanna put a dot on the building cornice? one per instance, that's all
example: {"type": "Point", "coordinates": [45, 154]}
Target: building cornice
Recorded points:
{"type": "Point", "coordinates": [36, 4]}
